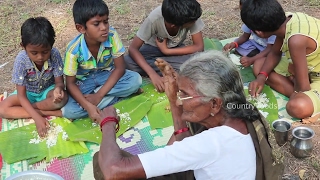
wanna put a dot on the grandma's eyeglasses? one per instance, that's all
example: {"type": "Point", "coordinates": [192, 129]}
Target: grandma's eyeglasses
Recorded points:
{"type": "Point", "coordinates": [180, 94]}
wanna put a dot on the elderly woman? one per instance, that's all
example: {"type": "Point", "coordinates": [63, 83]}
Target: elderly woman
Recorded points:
{"type": "Point", "coordinates": [207, 91]}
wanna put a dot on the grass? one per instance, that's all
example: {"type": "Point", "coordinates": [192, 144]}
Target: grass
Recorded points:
{"type": "Point", "coordinates": [315, 163]}
{"type": "Point", "coordinates": [122, 7]}
{"type": "Point", "coordinates": [313, 2]}
{"type": "Point", "coordinates": [61, 26]}
{"type": "Point", "coordinates": [133, 33]}
{"type": "Point", "coordinates": [58, 1]}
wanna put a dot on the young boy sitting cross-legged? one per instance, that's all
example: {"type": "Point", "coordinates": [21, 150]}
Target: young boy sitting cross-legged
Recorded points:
{"type": "Point", "coordinates": [94, 67]}
{"type": "Point", "coordinates": [37, 73]}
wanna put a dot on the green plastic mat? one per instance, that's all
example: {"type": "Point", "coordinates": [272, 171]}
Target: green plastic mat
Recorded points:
{"type": "Point", "coordinates": [17, 145]}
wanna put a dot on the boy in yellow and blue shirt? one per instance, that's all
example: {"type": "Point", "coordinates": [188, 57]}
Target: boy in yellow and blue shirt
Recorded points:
{"type": "Point", "coordinates": [94, 66]}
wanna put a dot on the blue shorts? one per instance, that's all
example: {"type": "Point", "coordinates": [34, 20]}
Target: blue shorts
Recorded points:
{"type": "Point", "coordinates": [36, 97]}
{"type": "Point", "coordinates": [129, 83]}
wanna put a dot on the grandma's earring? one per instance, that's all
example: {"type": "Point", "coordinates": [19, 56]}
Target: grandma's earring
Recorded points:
{"type": "Point", "coordinates": [211, 114]}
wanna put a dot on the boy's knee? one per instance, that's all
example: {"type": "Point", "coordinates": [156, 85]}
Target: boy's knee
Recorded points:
{"type": "Point", "coordinates": [137, 79]}
{"type": "Point", "coordinates": [299, 108]}
{"type": "Point", "coordinates": [73, 111]}
{"type": "Point", "coordinates": [2, 110]}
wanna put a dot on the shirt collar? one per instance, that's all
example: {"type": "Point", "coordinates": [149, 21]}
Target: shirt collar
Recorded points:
{"type": "Point", "coordinates": [45, 66]}
{"type": "Point", "coordinates": [84, 50]}
{"type": "Point", "coordinates": [30, 64]}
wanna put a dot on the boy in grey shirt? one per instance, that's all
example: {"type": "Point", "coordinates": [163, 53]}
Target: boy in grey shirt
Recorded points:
{"type": "Point", "coordinates": [162, 35]}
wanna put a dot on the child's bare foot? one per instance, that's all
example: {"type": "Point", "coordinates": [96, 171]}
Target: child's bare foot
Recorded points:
{"type": "Point", "coordinates": [311, 119]}
{"type": "Point", "coordinates": [139, 91]}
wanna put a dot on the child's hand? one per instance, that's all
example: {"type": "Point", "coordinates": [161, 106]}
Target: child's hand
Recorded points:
{"type": "Point", "coordinates": [256, 86]}
{"type": "Point", "coordinates": [162, 45]}
{"type": "Point", "coordinates": [157, 81]}
{"type": "Point", "coordinates": [58, 94]}
{"type": "Point", "coordinates": [94, 113]}
{"type": "Point", "coordinates": [93, 98]}
{"type": "Point", "coordinates": [246, 61]}
{"type": "Point", "coordinates": [42, 126]}
{"type": "Point", "coordinates": [228, 47]}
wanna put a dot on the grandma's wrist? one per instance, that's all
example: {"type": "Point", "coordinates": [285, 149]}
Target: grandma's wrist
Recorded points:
{"type": "Point", "coordinates": [110, 121]}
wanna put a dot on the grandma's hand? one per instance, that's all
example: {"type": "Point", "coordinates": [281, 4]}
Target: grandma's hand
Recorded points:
{"type": "Point", "coordinates": [170, 77]}
{"type": "Point", "coordinates": [109, 111]}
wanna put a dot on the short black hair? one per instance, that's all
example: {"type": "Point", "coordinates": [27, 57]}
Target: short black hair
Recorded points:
{"type": "Point", "coordinates": [263, 15]}
{"type": "Point", "coordinates": [37, 31]}
{"type": "Point", "coordinates": [242, 1]}
{"type": "Point", "coordinates": [84, 10]}
{"type": "Point", "coordinates": [180, 12]}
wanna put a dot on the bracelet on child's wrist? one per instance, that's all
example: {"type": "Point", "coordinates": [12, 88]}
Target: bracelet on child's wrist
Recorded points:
{"type": "Point", "coordinates": [110, 119]}
{"type": "Point", "coordinates": [181, 131]}
{"type": "Point", "coordinates": [265, 74]}
{"type": "Point", "coordinates": [236, 44]}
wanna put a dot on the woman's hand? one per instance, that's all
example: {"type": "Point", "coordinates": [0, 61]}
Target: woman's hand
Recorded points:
{"type": "Point", "coordinates": [170, 77]}
{"type": "Point", "coordinates": [109, 111]}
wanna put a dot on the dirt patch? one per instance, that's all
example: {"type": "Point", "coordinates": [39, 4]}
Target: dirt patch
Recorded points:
{"type": "Point", "coordinates": [220, 16]}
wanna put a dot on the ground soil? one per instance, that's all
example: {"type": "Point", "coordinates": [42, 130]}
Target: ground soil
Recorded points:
{"type": "Point", "coordinates": [220, 16]}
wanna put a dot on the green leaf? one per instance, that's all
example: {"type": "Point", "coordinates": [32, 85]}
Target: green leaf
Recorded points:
{"type": "Point", "coordinates": [84, 130]}
{"type": "Point", "coordinates": [137, 107]}
{"type": "Point", "coordinates": [131, 111]}
{"type": "Point", "coordinates": [15, 146]}
{"type": "Point", "coordinates": [210, 44]}
{"type": "Point", "coordinates": [272, 108]}
{"type": "Point", "coordinates": [151, 93]}
{"type": "Point", "coordinates": [247, 74]}
{"type": "Point", "coordinates": [160, 115]}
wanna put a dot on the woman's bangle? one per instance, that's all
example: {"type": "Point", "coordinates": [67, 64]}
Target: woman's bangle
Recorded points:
{"type": "Point", "coordinates": [236, 44]}
{"type": "Point", "coordinates": [265, 74]}
{"type": "Point", "coordinates": [109, 119]}
{"type": "Point", "coordinates": [181, 131]}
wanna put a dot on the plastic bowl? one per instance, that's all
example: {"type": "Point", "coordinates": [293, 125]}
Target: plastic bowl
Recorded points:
{"type": "Point", "coordinates": [35, 175]}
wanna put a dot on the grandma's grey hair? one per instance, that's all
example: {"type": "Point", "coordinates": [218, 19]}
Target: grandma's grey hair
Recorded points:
{"type": "Point", "coordinates": [215, 76]}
